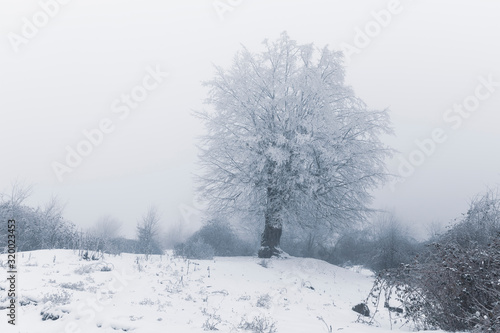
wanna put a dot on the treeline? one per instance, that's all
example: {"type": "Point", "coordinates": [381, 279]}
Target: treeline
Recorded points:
{"type": "Point", "coordinates": [44, 228]}
{"type": "Point", "coordinates": [384, 243]}
{"type": "Point", "coordinates": [35, 228]}
{"type": "Point", "coordinates": [215, 238]}
{"type": "Point", "coordinates": [38, 228]}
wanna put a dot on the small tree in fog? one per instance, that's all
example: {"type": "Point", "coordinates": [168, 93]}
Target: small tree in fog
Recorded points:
{"type": "Point", "coordinates": [147, 232]}
{"type": "Point", "coordinates": [289, 141]}
{"type": "Point", "coordinates": [106, 229]}
{"type": "Point", "coordinates": [392, 244]}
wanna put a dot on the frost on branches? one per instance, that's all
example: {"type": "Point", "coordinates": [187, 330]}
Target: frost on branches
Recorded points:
{"type": "Point", "coordinates": [288, 140]}
{"type": "Point", "coordinates": [453, 285]}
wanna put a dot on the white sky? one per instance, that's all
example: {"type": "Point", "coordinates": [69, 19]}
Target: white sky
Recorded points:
{"type": "Point", "coordinates": [66, 77]}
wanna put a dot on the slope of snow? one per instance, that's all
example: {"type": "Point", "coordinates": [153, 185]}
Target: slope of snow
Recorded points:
{"type": "Point", "coordinates": [167, 294]}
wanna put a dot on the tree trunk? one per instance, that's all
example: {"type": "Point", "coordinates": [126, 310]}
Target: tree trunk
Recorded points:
{"type": "Point", "coordinates": [270, 241]}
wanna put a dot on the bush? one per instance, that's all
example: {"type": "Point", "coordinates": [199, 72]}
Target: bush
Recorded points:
{"type": "Point", "coordinates": [60, 297]}
{"type": "Point", "coordinates": [384, 245]}
{"type": "Point", "coordinates": [195, 249]}
{"type": "Point", "coordinates": [212, 321]}
{"type": "Point", "coordinates": [215, 238]}
{"type": "Point", "coordinates": [258, 324]}
{"type": "Point", "coordinates": [391, 245]}
{"type": "Point", "coordinates": [222, 238]}
{"type": "Point", "coordinates": [300, 243]}
{"type": "Point", "coordinates": [264, 301]}
{"type": "Point", "coordinates": [48, 313]}
{"type": "Point", "coordinates": [107, 268]}
{"type": "Point", "coordinates": [37, 228]}
{"type": "Point", "coordinates": [353, 247]}
{"type": "Point", "coordinates": [73, 285]}
{"type": "Point", "coordinates": [92, 256]}
{"type": "Point", "coordinates": [455, 285]}
{"type": "Point", "coordinates": [450, 288]}
{"type": "Point", "coordinates": [480, 224]}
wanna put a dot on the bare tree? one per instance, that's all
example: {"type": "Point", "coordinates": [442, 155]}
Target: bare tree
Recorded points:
{"type": "Point", "coordinates": [289, 141]}
{"type": "Point", "coordinates": [54, 226]}
{"type": "Point", "coordinates": [19, 192]}
{"type": "Point", "coordinates": [148, 230]}
{"type": "Point", "coordinates": [392, 243]}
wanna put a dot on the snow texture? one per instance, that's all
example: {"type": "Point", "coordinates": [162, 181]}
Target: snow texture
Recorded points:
{"type": "Point", "coordinates": [61, 293]}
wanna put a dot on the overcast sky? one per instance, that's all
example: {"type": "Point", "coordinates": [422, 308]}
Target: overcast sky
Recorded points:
{"type": "Point", "coordinates": [434, 64]}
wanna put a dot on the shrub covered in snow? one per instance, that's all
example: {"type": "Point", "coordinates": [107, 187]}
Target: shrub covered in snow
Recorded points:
{"type": "Point", "coordinates": [216, 238]}
{"type": "Point", "coordinates": [455, 285]}
{"type": "Point", "coordinates": [194, 249]}
{"type": "Point", "coordinates": [259, 324]}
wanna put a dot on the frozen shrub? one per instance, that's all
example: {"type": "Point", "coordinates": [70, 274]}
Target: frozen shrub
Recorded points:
{"type": "Point", "coordinates": [211, 323]}
{"type": "Point", "coordinates": [455, 285]}
{"type": "Point", "coordinates": [391, 245]}
{"type": "Point", "coordinates": [61, 297]}
{"type": "Point", "coordinates": [91, 256]}
{"type": "Point", "coordinates": [106, 268]}
{"type": "Point", "coordinates": [213, 319]}
{"type": "Point", "coordinates": [450, 288]}
{"type": "Point", "coordinates": [383, 245]}
{"type": "Point", "coordinates": [259, 324]}
{"type": "Point", "coordinates": [215, 237]}
{"type": "Point", "coordinates": [220, 237]}
{"type": "Point", "coordinates": [264, 301]}
{"type": "Point", "coordinates": [36, 227]}
{"type": "Point", "coordinates": [480, 224]}
{"type": "Point", "coordinates": [73, 285]}
{"type": "Point", "coordinates": [50, 314]}
{"type": "Point", "coordinates": [195, 249]}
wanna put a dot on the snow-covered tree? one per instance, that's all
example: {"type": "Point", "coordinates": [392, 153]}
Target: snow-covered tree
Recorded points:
{"type": "Point", "coordinates": [288, 140]}
{"type": "Point", "coordinates": [36, 228]}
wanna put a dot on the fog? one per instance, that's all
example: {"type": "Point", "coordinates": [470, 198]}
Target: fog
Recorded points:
{"type": "Point", "coordinates": [67, 73]}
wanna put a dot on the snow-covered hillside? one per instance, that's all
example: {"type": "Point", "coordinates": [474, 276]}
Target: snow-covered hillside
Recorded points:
{"type": "Point", "coordinates": [59, 292]}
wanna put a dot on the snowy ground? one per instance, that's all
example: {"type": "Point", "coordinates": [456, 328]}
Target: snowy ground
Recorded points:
{"type": "Point", "coordinates": [167, 294]}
